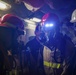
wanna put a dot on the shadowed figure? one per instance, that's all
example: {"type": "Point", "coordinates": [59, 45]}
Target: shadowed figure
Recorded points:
{"type": "Point", "coordinates": [11, 27]}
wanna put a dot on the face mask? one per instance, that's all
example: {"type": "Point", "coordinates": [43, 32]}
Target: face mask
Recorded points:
{"type": "Point", "coordinates": [43, 38]}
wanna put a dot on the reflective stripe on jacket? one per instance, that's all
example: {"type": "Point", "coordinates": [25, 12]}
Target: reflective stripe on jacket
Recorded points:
{"type": "Point", "coordinates": [47, 56]}
{"type": "Point", "coordinates": [52, 65]}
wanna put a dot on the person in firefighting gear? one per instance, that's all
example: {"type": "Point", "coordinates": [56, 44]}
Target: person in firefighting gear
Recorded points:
{"type": "Point", "coordinates": [70, 54]}
{"type": "Point", "coordinates": [73, 20]}
{"type": "Point", "coordinates": [11, 26]}
{"type": "Point", "coordinates": [54, 56]}
{"type": "Point", "coordinates": [34, 53]}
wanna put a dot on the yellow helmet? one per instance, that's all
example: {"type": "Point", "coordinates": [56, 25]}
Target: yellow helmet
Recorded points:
{"type": "Point", "coordinates": [73, 17]}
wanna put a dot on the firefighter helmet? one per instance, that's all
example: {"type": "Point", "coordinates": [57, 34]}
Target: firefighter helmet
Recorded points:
{"type": "Point", "coordinates": [50, 21]}
{"type": "Point", "coordinates": [73, 17]}
{"type": "Point", "coordinates": [13, 20]}
{"type": "Point", "coordinates": [50, 17]}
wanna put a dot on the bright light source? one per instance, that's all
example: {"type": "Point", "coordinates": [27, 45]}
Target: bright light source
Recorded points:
{"type": "Point", "coordinates": [36, 19]}
{"type": "Point", "coordinates": [51, 25]}
{"type": "Point", "coordinates": [30, 26]}
{"type": "Point", "coordinates": [29, 21]}
{"type": "Point", "coordinates": [4, 6]}
{"type": "Point", "coordinates": [48, 25]}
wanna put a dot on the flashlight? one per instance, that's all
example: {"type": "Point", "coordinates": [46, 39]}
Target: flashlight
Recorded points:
{"type": "Point", "coordinates": [49, 25]}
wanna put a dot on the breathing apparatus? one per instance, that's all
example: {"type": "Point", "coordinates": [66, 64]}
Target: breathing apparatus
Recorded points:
{"type": "Point", "coordinates": [51, 26]}
{"type": "Point", "coordinates": [40, 34]}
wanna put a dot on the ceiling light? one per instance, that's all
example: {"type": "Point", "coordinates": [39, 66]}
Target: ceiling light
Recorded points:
{"type": "Point", "coordinates": [29, 21]}
{"type": "Point", "coordinates": [4, 6]}
{"type": "Point", "coordinates": [36, 19]}
{"type": "Point", "coordinates": [30, 26]}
